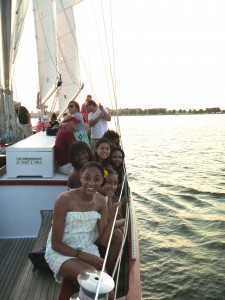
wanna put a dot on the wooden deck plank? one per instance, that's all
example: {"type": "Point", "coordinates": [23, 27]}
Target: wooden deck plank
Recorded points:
{"type": "Point", "coordinates": [14, 259]}
{"type": "Point", "coordinates": [17, 263]}
{"type": "Point", "coordinates": [38, 285]}
{"type": "Point", "coordinates": [42, 287]}
{"type": "Point", "coordinates": [8, 245]}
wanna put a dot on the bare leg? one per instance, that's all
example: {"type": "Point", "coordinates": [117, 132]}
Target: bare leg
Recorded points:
{"type": "Point", "coordinates": [114, 250]}
{"type": "Point", "coordinates": [71, 268]}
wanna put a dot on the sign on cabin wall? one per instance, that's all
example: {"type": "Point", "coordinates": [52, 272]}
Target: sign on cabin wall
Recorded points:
{"type": "Point", "coordinates": [29, 160]}
{"type": "Point", "coordinates": [30, 164]}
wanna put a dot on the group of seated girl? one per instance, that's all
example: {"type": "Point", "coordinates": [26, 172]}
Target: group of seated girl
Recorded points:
{"type": "Point", "coordinates": [84, 215]}
{"type": "Point", "coordinates": [107, 155]}
{"type": "Point", "coordinates": [82, 222]}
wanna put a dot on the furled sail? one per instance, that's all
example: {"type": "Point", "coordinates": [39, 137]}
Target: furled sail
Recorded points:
{"type": "Point", "coordinates": [10, 132]}
{"type": "Point", "coordinates": [68, 61]}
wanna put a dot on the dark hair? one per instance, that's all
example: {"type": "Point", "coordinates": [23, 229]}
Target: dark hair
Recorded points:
{"type": "Point", "coordinates": [77, 147]}
{"type": "Point", "coordinates": [97, 144]}
{"type": "Point", "coordinates": [101, 141]}
{"type": "Point", "coordinates": [54, 116]}
{"type": "Point", "coordinates": [114, 149]}
{"type": "Point", "coordinates": [120, 169]}
{"type": "Point", "coordinates": [111, 135]}
{"type": "Point", "coordinates": [121, 172]}
{"type": "Point", "coordinates": [110, 171]}
{"type": "Point", "coordinates": [92, 164]}
{"type": "Point", "coordinates": [91, 102]}
{"type": "Point", "coordinates": [75, 104]}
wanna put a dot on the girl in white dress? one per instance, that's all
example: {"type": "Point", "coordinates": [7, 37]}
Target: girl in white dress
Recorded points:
{"type": "Point", "coordinates": [80, 218]}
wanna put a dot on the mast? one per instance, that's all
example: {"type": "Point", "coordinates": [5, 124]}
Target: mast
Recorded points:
{"type": "Point", "coordinates": [10, 132]}
{"type": "Point", "coordinates": [5, 26]}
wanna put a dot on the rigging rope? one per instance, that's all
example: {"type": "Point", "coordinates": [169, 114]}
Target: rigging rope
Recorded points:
{"type": "Point", "coordinates": [105, 61]}
{"type": "Point", "coordinates": [118, 262]}
{"type": "Point", "coordinates": [109, 242]}
{"type": "Point", "coordinates": [102, 48]}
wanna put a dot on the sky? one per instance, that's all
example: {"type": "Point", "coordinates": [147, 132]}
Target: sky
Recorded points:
{"type": "Point", "coordinates": [166, 53]}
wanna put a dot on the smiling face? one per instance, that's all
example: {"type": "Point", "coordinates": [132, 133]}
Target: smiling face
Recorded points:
{"type": "Point", "coordinates": [103, 150]}
{"type": "Point", "coordinates": [110, 186]}
{"type": "Point", "coordinates": [91, 179]}
{"type": "Point", "coordinates": [117, 158]}
{"type": "Point", "coordinates": [82, 157]}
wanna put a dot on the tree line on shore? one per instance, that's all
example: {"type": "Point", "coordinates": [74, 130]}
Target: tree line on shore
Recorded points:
{"type": "Point", "coordinates": [152, 111]}
{"type": "Point", "coordinates": [164, 111]}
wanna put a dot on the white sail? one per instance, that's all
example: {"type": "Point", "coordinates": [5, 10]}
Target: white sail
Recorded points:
{"type": "Point", "coordinates": [44, 16]}
{"type": "Point", "coordinates": [62, 5]}
{"type": "Point", "coordinates": [68, 61]}
{"type": "Point", "coordinates": [19, 13]}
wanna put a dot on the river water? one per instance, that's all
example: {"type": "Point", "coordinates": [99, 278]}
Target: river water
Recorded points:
{"type": "Point", "coordinates": [176, 170]}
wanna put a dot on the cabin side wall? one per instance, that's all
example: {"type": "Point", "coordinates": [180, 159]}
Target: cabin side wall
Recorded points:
{"type": "Point", "coordinates": [20, 208]}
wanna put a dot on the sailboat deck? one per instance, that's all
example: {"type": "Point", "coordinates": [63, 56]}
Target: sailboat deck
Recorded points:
{"type": "Point", "coordinates": [13, 257]}
{"type": "Point", "coordinates": [18, 281]}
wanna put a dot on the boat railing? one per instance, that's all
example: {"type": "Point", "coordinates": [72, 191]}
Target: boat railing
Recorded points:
{"type": "Point", "coordinates": [133, 233]}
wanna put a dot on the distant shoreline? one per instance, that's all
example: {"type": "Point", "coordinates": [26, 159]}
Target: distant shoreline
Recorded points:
{"type": "Point", "coordinates": [165, 111]}
{"type": "Point", "coordinates": [152, 112]}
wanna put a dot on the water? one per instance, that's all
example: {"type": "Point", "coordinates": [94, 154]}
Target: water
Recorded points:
{"type": "Point", "coordinates": [176, 169]}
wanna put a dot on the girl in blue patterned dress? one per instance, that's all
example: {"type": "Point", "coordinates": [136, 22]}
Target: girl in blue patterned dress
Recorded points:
{"type": "Point", "coordinates": [80, 218]}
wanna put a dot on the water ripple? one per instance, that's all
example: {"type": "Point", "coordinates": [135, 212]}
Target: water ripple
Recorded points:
{"type": "Point", "coordinates": [176, 171]}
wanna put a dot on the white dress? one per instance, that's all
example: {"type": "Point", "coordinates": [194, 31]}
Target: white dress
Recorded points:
{"type": "Point", "coordinates": [80, 233]}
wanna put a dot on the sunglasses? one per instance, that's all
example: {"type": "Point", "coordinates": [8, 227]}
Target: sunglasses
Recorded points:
{"type": "Point", "coordinates": [70, 106]}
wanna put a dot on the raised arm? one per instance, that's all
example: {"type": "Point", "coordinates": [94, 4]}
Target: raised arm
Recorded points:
{"type": "Point", "coordinates": [105, 113]}
{"type": "Point", "coordinates": [92, 122]}
{"type": "Point", "coordinates": [106, 222]}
